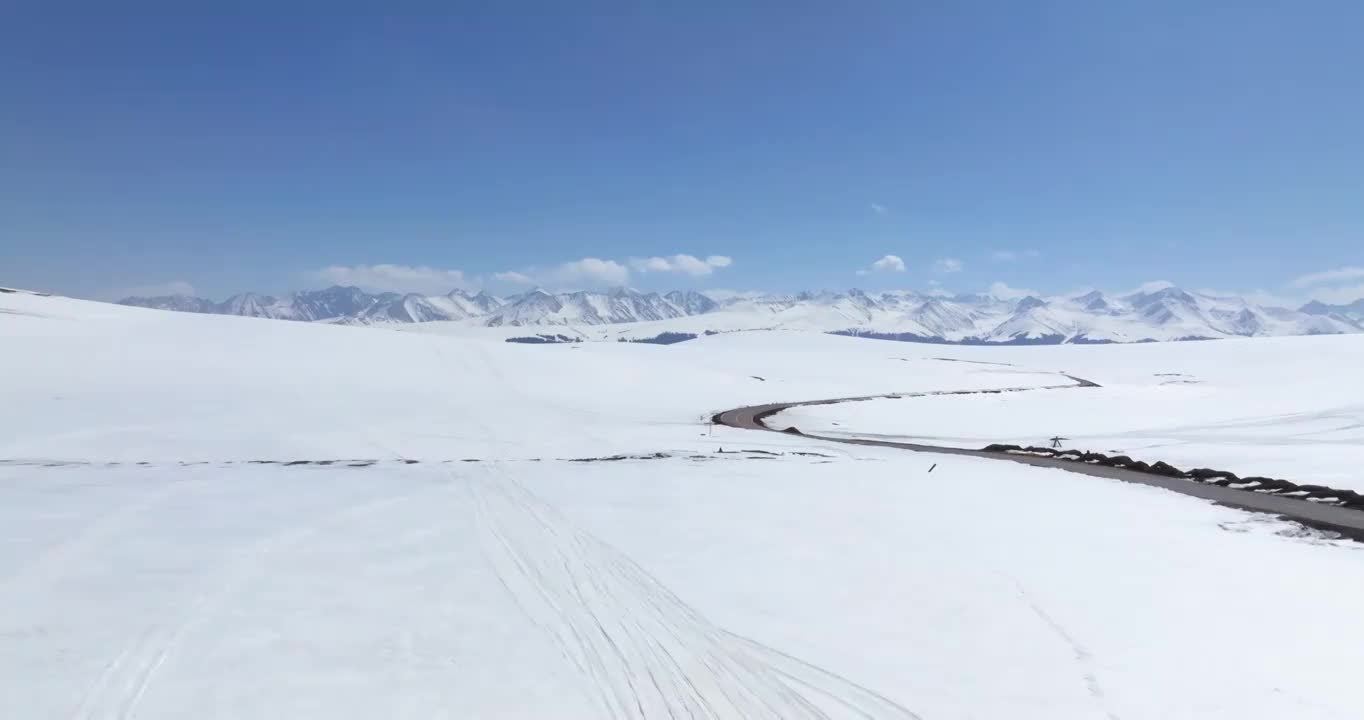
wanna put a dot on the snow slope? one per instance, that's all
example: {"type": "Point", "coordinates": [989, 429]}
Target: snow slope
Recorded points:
{"type": "Point", "coordinates": [849, 582]}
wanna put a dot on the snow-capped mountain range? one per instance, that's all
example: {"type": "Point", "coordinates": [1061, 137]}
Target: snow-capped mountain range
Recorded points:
{"type": "Point", "coordinates": [336, 304]}
{"type": "Point", "coordinates": [1153, 313]}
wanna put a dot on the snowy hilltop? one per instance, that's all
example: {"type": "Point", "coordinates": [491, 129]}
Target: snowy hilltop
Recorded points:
{"type": "Point", "coordinates": [1154, 313]}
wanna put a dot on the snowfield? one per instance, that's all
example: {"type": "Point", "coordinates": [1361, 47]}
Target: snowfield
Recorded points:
{"type": "Point", "coordinates": [149, 569]}
{"type": "Point", "coordinates": [105, 383]}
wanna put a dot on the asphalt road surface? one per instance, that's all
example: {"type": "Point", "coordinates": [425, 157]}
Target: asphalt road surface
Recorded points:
{"type": "Point", "coordinates": [1346, 521]}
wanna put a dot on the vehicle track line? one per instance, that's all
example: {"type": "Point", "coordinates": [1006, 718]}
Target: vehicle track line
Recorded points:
{"type": "Point", "coordinates": [649, 654]}
{"type": "Point", "coordinates": [121, 688]}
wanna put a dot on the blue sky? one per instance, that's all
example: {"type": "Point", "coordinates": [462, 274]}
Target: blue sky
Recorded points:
{"type": "Point", "coordinates": [1048, 145]}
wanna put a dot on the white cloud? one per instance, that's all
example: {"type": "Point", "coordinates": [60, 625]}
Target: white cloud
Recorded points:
{"type": "Point", "coordinates": [1149, 287]}
{"type": "Point", "coordinates": [1263, 298]}
{"type": "Point", "coordinates": [515, 278]}
{"type": "Point", "coordinates": [685, 264]}
{"type": "Point", "coordinates": [654, 264]}
{"type": "Point", "coordinates": [594, 271]}
{"type": "Point", "coordinates": [397, 278]}
{"type": "Point", "coordinates": [1339, 286]}
{"type": "Point", "coordinates": [1328, 277]}
{"type": "Point", "coordinates": [1012, 255]}
{"type": "Point", "coordinates": [1004, 292]}
{"type": "Point", "coordinates": [887, 263]}
{"type": "Point", "coordinates": [1339, 295]}
{"type": "Point", "coordinates": [947, 265]}
{"type": "Point", "coordinates": [935, 289]}
{"type": "Point", "coordinates": [879, 209]}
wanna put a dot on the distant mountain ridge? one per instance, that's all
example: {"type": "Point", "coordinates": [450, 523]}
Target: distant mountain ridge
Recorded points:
{"type": "Point", "coordinates": [1152, 314]}
{"type": "Point", "coordinates": [348, 305]}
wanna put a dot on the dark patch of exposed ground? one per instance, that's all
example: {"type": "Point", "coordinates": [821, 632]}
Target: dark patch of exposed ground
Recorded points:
{"type": "Point", "coordinates": [370, 462]}
{"type": "Point", "coordinates": [1222, 478]}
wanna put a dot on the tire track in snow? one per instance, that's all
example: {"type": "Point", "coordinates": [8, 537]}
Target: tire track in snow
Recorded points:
{"type": "Point", "coordinates": [125, 681]}
{"type": "Point", "coordinates": [1083, 657]}
{"type": "Point", "coordinates": [49, 563]}
{"type": "Point", "coordinates": [647, 653]}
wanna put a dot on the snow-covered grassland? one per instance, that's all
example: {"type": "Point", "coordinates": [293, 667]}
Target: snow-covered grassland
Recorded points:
{"type": "Point", "coordinates": [847, 583]}
{"type": "Point", "coordinates": [1290, 408]}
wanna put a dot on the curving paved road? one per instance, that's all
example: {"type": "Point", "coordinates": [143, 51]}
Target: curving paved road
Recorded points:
{"type": "Point", "coordinates": [1345, 521]}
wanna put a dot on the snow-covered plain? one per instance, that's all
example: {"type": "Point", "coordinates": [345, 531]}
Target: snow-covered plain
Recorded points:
{"type": "Point", "coordinates": [1291, 408]}
{"type": "Point", "coordinates": [106, 383]}
{"type": "Point", "coordinates": [849, 583]}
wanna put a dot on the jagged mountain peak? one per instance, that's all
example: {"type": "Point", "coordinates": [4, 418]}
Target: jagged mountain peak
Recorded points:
{"type": "Point", "coordinates": [820, 296]}
{"type": "Point", "coordinates": [691, 302]}
{"type": "Point", "coordinates": [1094, 300]}
{"type": "Point", "coordinates": [973, 298]}
{"type": "Point", "coordinates": [1317, 307]}
{"type": "Point", "coordinates": [1167, 293]}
